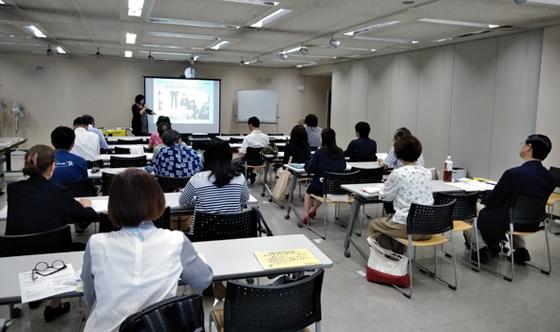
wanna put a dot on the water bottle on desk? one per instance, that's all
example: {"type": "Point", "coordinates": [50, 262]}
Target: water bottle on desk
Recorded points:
{"type": "Point", "coordinates": [448, 170]}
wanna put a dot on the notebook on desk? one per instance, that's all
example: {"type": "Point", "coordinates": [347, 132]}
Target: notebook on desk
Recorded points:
{"type": "Point", "coordinates": [280, 259]}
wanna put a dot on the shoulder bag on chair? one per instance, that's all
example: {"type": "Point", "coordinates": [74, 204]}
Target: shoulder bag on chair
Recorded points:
{"type": "Point", "coordinates": [279, 190]}
{"type": "Point", "coordinates": [385, 266]}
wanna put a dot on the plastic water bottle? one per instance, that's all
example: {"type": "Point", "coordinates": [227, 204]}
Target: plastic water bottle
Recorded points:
{"type": "Point", "coordinates": [448, 169]}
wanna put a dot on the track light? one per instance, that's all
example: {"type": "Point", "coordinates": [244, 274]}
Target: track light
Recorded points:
{"type": "Point", "coordinates": [304, 50]}
{"type": "Point", "coordinates": [150, 57]}
{"type": "Point", "coordinates": [283, 55]}
{"type": "Point", "coordinates": [98, 53]}
{"type": "Point", "coordinates": [49, 51]}
{"type": "Point", "coordinates": [334, 43]}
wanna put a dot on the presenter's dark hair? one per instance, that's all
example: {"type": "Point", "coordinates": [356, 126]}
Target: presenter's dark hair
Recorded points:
{"type": "Point", "coordinates": [311, 120]}
{"type": "Point", "coordinates": [540, 144]}
{"type": "Point", "coordinates": [217, 160]}
{"type": "Point", "coordinates": [63, 138]}
{"type": "Point", "coordinates": [400, 133]}
{"type": "Point", "coordinates": [171, 137]}
{"type": "Point", "coordinates": [138, 99]}
{"type": "Point", "coordinates": [254, 121]}
{"type": "Point", "coordinates": [408, 148]}
{"type": "Point", "coordinates": [328, 142]}
{"type": "Point", "coordinates": [80, 121]}
{"type": "Point", "coordinates": [135, 196]}
{"type": "Point", "coordinates": [38, 159]}
{"type": "Point", "coordinates": [298, 137]}
{"type": "Point", "coordinates": [363, 129]}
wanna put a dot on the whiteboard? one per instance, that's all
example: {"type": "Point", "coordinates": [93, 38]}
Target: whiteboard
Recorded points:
{"type": "Point", "coordinates": [260, 103]}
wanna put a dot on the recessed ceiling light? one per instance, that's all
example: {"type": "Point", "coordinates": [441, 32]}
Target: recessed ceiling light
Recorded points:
{"type": "Point", "coordinates": [130, 38]}
{"type": "Point", "coordinates": [373, 50]}
{"type": "Point", "coordinates": [459, 23]}
{"type": "Point", "coordinates": [191, 23]}
{"type": "Point", "coordinates": [414, 42]}
{"type": "Point", "coordinates": [35, 31]}
{"type": "Point", "coordinates": [181, 35]}
{"type": "Point", "coordinates": [60, 50]}
{"type": "Point", "coordinates": [270, 18]}
{"type": "Point", "coordinates": [219, 45]}
{"type": "Point", "coordinates": [128, 54]}
{"type": "Point", "coordinates": [256, 2]}
{"type": "Point", "coordinates": [135, 7]}
{"type": "Point", "coordinates": [370, 28]}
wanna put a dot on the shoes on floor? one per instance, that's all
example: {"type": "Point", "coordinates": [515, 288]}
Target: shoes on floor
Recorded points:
{"type": "Point", "coordinates": [51, 314]}
{"type": "Point", "coordinates": [521, 256]}
{"type": "Point", "coordinates": [484, 255]}
{"type": "Point", "coordinates": [252, 177]}
{"type": "Point", "coordinates": [305, 221]}
{"type": "Point", "coordinates": [312, 214]}
{"type": "Point", "coordinates": [34, 304]}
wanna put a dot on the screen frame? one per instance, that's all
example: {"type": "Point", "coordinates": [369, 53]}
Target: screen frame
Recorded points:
{"type": "Point", "coordinates": [195, 79]}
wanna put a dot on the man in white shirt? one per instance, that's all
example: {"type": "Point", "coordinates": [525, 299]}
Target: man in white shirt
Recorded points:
{"type": "Point", "coordinates": [256, 139]}
{"type": "Point", "coordinates": [87, 143]}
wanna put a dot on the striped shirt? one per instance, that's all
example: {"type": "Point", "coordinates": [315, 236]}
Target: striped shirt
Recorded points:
{"type": "Point", "coordinates": [209, 198]}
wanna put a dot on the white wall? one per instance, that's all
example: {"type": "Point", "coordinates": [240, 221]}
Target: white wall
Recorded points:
{"type": "Point", "coordinates": [67, 87]}
{"type": "Point", "coordinates": [475, 101]}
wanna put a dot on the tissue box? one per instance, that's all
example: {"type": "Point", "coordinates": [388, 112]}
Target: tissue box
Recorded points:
{"type": "Point", "coordinates": [459, 173]}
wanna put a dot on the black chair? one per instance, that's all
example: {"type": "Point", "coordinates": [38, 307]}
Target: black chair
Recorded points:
{"type": "Point", "coordinates": [224, 226]}
{"type": "Point", "coordinates": [164, 221]}
{"type": "Point", "coordinates": [431, 220]}
{"type": "Point", "coordinates": [176, 314]}
{"type": "Point", "coordinates": [369, 175]}
{"type": "Point", "coordinates": [554, 198]}
{"type": "Point", "coordinates": [106, 179]}
{"type": "Point", "coordinates": [253, 160]}
{"type": "Point", "coordinates": [119, 150]}
{"type": "Point", "coordinates": [555, 171]}
{"type": "Point", "coordinates": [131, 141]}
{"type": "Point", "coordinates": [95, 163]}
{"type": "Point", "coordinates": [463, 211]}
{"type": "Point", "coordinates": [334, 194]}
{"type": "Point", "coordinates": [271, 308]}
{"type": "Point", "coordinates": [373, 157]}
{"type": "Point", "coordinates": [82, 188]}
{"type": "Point", "coordinates": [139, 161]}
{"type": "Point", "coordinates": [172, 184]}
{"type": "Point", "coordinates": [199, 143]}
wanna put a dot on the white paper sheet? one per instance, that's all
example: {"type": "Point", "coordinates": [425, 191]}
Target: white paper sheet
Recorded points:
{"type": "Point", "coordinates": [43, 287]}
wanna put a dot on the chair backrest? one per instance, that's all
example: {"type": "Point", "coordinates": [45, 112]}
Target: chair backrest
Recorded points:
{"type": "Point", "coordinates": [82, 188]}
{"type": "Point", "coordinates": [223, 226]}
{"type": "Point", "coordinates": [373, 157]}
{"type": "Point", "coordinates": [130, 141]}
{"type": "Point", "coordinates": [56, 240]}
{"type": "Point", "coordinates": [465, 204]}
{"type": "Point", "coordinates": [430, 219]}
{"type": "Point", "coordinates": [176, 314]}
{"type": "Point", "coordinates": [273, 308]}
{"type": "Point", "coordinates": [253, 156]}
{"type": "Point", "coordinates": [172, 184]}
{"type": "Point", "coordinates": [119, 150]}
{"type": "Point", "coordinates": [527, 210]}
{"type": "Point", "coordinates": [555, 171]}
{"type": "Point", "coordinates": [138, 161]}
{"type": "Point", "coordinates": [95, 163]}
{"type": "Point", "coordinates": [164, 221]}
{"type": "Point", "coordinates": [333, 181]}
{"type": "Point", "coordinates": [369, 175]}
{"type": "Point", "coordinates": [106, 179]}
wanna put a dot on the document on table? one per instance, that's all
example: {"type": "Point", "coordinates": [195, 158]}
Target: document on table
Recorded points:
{"type": "Point", "coordinates": [63, 281]}
{"type": "Point", "coordinates": [372, 190]}
{"type": "Point", "coordinates": [286, 258]}
{"type": "Point", "coordinates": [463, 186]}
{"type": "Point", "coordinates": [480, 185]}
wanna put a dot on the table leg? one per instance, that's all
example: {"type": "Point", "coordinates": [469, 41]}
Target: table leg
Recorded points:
{"type": "Point", "coordinates": [353, 219]}
{"type": "Point", "coordinates": [265, 183]}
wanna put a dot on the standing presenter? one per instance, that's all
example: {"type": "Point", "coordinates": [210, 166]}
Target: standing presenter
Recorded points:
{"type": "Point", "coordinates": [140, 116]}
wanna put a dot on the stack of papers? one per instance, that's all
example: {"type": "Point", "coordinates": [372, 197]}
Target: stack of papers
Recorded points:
{"type": "Point", "coordinates": [43, 287]}
{"type": "Point", "coordinates": [480, 185]}
{"type": "Point", "coordinates": [286, 258]}
{"type": "Point", "coordinates": [372, 190]}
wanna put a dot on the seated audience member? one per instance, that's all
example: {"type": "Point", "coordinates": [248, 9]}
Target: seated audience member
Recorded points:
{"type": "Point", "coordinates": [529, 179]}
{"type": "Point", "coordinates": [392, 161]}
{"type": "Point", "coordinates": [176, 159]}
{"type": "Point", "coordinates": [86, 144]}
{"type": "Point", "coordinates": [363, 148]}
{"type": "Point", "coordinates": [69, 168]}
{"type": "Point", "coordinates": [91, 127]}
{"type": "Point", "coordinates": [256, 139]}
{"type": "Point", "coordinates": [126, 270]}
{"type": "Point", "coordinates": [328, 158]}
{"type": "Point", "coordinates": [155, 137]}
{"type": "Point", "coordinates": [161, 129]}
{"type": "Point", "coordinates": [313, 132]}
{"type": "Point", "coordinates": [219, 187]}
{"type": "Point", "coordinates": [408, 184]}
{"type": "Point", "coordinates": [298, 146]}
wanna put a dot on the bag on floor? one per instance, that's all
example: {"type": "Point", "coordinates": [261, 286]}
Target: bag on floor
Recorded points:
{"type": "Point", "coordinates": [385, 266]}
{"type": "Point", "coordinates": [279, 190]}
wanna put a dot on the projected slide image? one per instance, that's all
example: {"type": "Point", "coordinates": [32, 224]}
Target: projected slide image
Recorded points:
{"type": "Point", "coordinates": [185, 101]}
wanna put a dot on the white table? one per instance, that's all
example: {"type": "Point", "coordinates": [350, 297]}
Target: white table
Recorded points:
{"type": "Point", "coordinates": [114, 171]}
{"type": "Point", "coordinates": [227, 138]}
{"type": "Point", "coordinates": [107, 157]}
{"type": "Point", "coordinates": [126, 138]}
{"type": "Point", "coordinates": [229, 259]}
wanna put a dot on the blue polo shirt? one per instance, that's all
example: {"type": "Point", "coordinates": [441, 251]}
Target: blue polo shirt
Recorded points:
{"type": "Point", "coordinates": [69, 168]}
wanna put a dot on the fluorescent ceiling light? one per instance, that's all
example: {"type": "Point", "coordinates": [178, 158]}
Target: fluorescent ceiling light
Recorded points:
{"type": "Point", "coordinates": [292, 50]}
{"type": "Point", "coordinates": [539, 2]}
{"type": "Point", "coordinates": [442, 40]}
{"type": "Point", "coordinates": [195, 58]}
{"type": "Point", "coordinates": [276, 15]}
{"type": "Point", "coordinates": [219, 45]}
{"type": "Point", "coordinates": [255, 2]}
{"type": "Point", "coordinates": [306, 65]}
{"type": "Point", "coordinates": [60, 50]}
{"type": "Point", "coordinates": [135, 7]}
{"type": "Point", "coordinates": [182, 35]}
{"type": "Point", "coordinates": [414, 42]}
{"type": "Point", "coordinates": [38, 33]}
{"type": "Point", "coordinates": [2, 2]}
{"type": "Point", "coordinates": [370, 28]}
{"type": "Point", "coordinates": [160, 46]}
{"type": "Point", "coordinates": [191, 23]}
{"type": "Point", "coordinates": [128, 54]}
{"type": "Point", "coordinates": [459, 23]}
{"type": "Point", "coordinates": [373, 50]}
{"type": "Point", "coordinates": [130, 38]}
{"type": "Point", "coordinates": [386, 40]}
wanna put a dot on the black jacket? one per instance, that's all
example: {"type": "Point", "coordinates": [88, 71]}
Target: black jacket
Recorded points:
{"type": "Point", "coordinates": [38, 205]}
{"type": "Point", "coordinates": [362, 149]}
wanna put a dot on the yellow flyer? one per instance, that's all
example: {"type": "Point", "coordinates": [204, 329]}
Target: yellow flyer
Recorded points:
{"type": "Point", "coordinates": [286, 258]}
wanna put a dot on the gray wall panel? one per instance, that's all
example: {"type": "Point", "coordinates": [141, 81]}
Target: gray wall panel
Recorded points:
{"type": "Point", "coordinates": [404, 91]}
{"type": "Point", "coordinates": [357, 101]}
{"type": "Point", "coordinates": [379, 101]}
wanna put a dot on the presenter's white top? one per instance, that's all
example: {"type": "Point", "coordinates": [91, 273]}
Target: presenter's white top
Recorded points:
{"type": "Point", "coordinates": [86, 144]}
{"type": "Point", "coordinates": [256, 139]}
